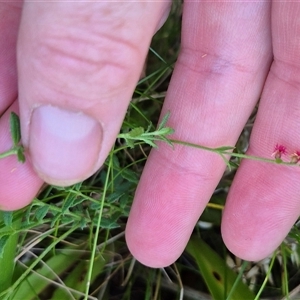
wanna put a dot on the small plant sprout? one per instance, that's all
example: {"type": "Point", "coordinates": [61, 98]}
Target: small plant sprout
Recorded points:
{"type": "Point", "coordinates": [147, 136]}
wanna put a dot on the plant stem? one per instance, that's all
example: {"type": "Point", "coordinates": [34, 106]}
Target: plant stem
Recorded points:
{"type": "Point", "coordinates": [93, 253]}
{"type": "Point", "coordinates": [227, 152]}
{"type": "Point", "coordinates": [257, 297]}
{"type": "Point", "coordinates": [8, 153]}
{"type": "Point", "coordinates": [7, 263]}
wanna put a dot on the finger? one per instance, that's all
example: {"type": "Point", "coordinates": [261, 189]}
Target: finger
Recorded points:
{"type": "Point", "coordinates": [19, 183]}
{"type": "Point", "coordinates": [10, 13]}
{"type": "Point", "coordinates": [263, 202]}
{"type": "Point", "coordinates": [217, 80]}
{"type": "Point", "coordinates": [78, 65]}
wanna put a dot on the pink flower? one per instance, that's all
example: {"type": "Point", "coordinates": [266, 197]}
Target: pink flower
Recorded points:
{"type": "Point", "coordinates": [295, 157]}
{"type": "Point", "coordinates": [279, 150]}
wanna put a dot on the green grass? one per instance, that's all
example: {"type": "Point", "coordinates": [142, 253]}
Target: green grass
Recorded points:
{"type": "Point", "coordinates": [71, 240]}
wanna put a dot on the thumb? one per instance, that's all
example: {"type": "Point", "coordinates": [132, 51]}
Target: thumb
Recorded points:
{"type": "Point", "coordinates": [78, 65]}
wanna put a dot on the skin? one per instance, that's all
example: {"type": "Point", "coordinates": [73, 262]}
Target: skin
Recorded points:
{"type": "Point", "coordinates": [75, 68]}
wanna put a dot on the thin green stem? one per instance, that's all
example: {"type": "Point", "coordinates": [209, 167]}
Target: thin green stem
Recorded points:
{"type": "Point", "coordinates": [93, 254]}
{"type": "Point", "coordinates": [257, 297]}
{"type": "Point", "coordinates": [285, 281]}
{"type": "Point", "coordinates": [12, 151]}
{"type": "Point", "coordinates": [226, 152]}
{"type": "Point", "coordinates": [215, 206]}
{"type": "Point", "coordinates": [241, 272]}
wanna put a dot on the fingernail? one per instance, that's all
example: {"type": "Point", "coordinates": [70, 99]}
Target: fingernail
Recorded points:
{"type": "Point", "coordinates": [64, 146]}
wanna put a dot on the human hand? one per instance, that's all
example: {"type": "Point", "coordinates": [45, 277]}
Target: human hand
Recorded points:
{"type": "Point", "coordinates": [220, 74]}
{"type": "Point", "coordinates": [227, 51]}
{"type": "Point", "coordinates": [78, 64]}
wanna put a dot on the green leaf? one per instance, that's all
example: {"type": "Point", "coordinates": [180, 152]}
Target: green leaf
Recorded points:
{"type": "Point", "coordinates": [233, 164]}
{"type": "Point", "coordinates": [226, 161]}
{"type": "Point", "coordinates": [166, 131]}
{"type": "Point", "coordinates": [27, 215]}
{"type": "Point", "coordinates": [39, 280]}
{"type": "Point", "coordinates": [7, 218]}
{"type": "Point", "coordinates": [68, 202]}
{"type": "Point", "coordinates": [113, 197]}
{"type": "Point", "coordinates": [220, 279]}
{"type": "Point", "coordinates": [115, 161]}
{"type": "Point", "coordinates": [20, 155]}
{"type": "Point", "coordinates": [130, 175]}
{"type": "Point", "coordinates": [224, 148]}
{"type": "Point", "coordinates": [151, 143]}
{"type": "Point", "coordinates": [41, 212]}
{"type": "Point", "coordinates": [3, 242]}
{"type": "Point", "coordinates": [149, 127]}
{"type": "Point", "coordinates": [123, 200]}
{"type": "Point", "coordinates": [136, 132]}
{"type": "Point", "coordinates": [108, 224]}
{"type": "Point", "coordinates": [83, 223]}
{"type": "Point", "coordinates": [77, 186]}
{"type": "Point", "coordinates": [164, 120]}
{"type": "Point", "coordinates": [165, 139]}
{"type": "Point", "coordinates": [15, 128]}
{"type": "Point", "coordinates": [55, 219]}
{"type": "Point", "coordinates": [130, 143]}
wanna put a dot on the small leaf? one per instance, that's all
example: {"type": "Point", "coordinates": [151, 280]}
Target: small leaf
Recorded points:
{"type": "Point", "coordinates": [166, 131]}
{"type": "Point", "coordinates": [136, 132]}
{"type": "Point", "coordinates": [77, 186]}
{"type": "Point", "coordinates": [130, 143]}
{"type": "Point", "coordinates": [233, 164]}
{"type": "Point", "coordinates": [150, 126]}
{"type": "Point", "coordinates": [224, 148]}
{"type": "Point", "coordinates": [7, 218]}
{"type": "Point", "coordinates": [164, 120]}
{"type": "Point", "coordinates": [130, 175]}
{"type": "Point", "coordinates": [113, 197]}
{"type": "Point", "coordinates": [69, 202]}
{"type": "Point", "coordinates": [168, 141]}
{"type": "Point", "coordinates": [115, 161]}
{"type": "Point", "coordinates": [149, 142]}
{"type": "Point", "coordinates": [15, 128]}
{"type": "Point", "coordinates": [27, 214]}
{"type": "Point", "coordinates": [55, 219]}
{"type": "Point", "coordinates": [67, 219]}
{"type": "Point", "coordinates": [20, 155]}
{"type": "Point", "coordinates": [95, 206]}
{"type": "Point", "coordinates": [83, 223]}
{"type": "Point", "coordinates": [107, 223]}
{"type": "Point", "coordinates": [123, 200]}
{"type": "Point", "coordinates": [226, 161]}
{"type": "Point", "coordinates": [41, 212]}
{"type": "Point", "coordinates": [3, 242]}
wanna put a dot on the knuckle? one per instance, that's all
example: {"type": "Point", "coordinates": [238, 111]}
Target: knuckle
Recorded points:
{"type": "Point", "coordinates": [75, 63]}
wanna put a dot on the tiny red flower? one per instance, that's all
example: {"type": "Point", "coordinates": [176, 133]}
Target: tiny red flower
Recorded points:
{"type": "Point", "coordinates": [295, 157]}
{"type": "Point", "coordinates": [279, 150]}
